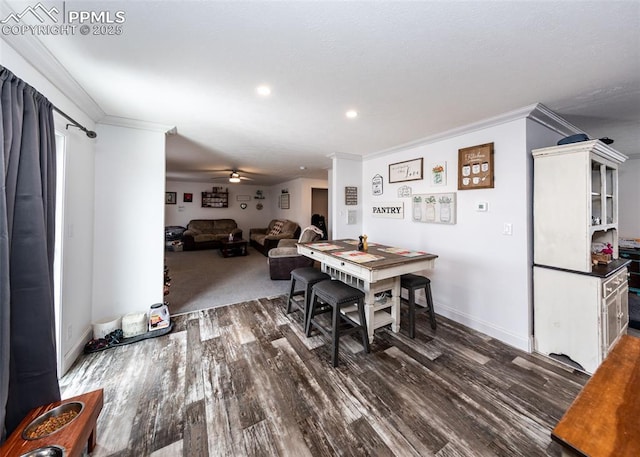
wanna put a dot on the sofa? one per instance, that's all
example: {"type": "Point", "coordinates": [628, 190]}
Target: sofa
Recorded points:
{"type": "Point", "coordinates": [266, 238]}
{"type": "Point", "coordinates": [209, 233]}
{"type": "Point", "coordinates": [285, 258]}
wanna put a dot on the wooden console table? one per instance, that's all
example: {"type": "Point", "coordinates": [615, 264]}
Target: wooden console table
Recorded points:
{"type": "Point", "coordinates": [74, 437]}
{"type": "Point", "coordinates": [604, 419]}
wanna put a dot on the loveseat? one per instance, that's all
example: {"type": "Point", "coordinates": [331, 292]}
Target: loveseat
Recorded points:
{"type": "Point", "coordinates": [209, 233]}
{"type": "Point", "coordinates": [266, 238]}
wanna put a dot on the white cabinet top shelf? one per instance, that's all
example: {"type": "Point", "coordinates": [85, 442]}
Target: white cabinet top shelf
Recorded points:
{"type": "Point", "coordinates": [575, 203]}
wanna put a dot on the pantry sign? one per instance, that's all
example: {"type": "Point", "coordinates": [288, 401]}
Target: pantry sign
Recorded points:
{"type": "Point", "coordinates": [392, 210]}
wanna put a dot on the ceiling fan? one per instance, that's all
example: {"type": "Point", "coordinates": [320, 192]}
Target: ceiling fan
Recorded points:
{"type": "Point", "coordinates": [234, 176]}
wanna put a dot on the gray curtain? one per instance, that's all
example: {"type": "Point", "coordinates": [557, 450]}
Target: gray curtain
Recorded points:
{"type": "Point", "coordinates": [28, 376]}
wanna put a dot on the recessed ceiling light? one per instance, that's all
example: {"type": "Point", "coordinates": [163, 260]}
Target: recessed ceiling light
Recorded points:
{"type": "Point", "coordinates": [351, 114]}
{"type": "Point", "coordinates": [302, 167]}
{"type": "Point", "coordinates": [263, 90]}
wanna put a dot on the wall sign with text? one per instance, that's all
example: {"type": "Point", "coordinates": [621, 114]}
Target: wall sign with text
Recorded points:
{"type": "Point", "coordinates": [350, 195]}
{"type": "Point", "coordinates": [409, 170]}
{"type": "Point", "coordinates": [392, 210]}
{"type": "Point", "coordinates": [475, 167]}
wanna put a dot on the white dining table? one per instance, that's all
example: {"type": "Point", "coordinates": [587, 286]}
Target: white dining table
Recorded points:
{"type": "Point", "coordinates": [375, 271]}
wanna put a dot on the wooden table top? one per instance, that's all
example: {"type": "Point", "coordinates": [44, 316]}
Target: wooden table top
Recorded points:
{"type": "Point", "coordinates": [389, 259]}
{"type": "Point", "coordinates": [604, 419]}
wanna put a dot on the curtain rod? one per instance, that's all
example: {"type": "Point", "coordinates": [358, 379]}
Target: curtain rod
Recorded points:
{"type": "Point", "coordinates": [90, 133]}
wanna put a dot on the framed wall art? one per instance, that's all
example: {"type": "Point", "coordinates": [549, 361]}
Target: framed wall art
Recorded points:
{"type": "Point", "coordinates": [475, 167]}
{"type": "Point", "coordinates": [170, 198]}
{"type": "Point", "coordinates": [284, 201]}
{"type": "Point", "coordinates": [434, 208]}
{"type": "Point", "coordinates": [376, 185]}
{"type": "Point", "coordinates": [350, 195]}
{"type": "Point", "coordinates": [187, 197]}
{"type": "Point", "coordinates": [410, 170]}
{"type": "Point", "coordinates": [438, 173]}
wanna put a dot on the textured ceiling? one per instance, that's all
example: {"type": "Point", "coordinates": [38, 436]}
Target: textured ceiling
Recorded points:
{"type": "Point", "coordinates": [411, 69]}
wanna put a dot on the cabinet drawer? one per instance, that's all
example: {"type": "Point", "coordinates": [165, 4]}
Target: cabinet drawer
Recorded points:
{"type": "Point", "coordinates": [355, 270]}
{"type": "Point", "coordinates": [612, 284]}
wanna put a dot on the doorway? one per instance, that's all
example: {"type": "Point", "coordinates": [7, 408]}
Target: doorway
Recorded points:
{"type": "Point", "coordinates": [320, 203]}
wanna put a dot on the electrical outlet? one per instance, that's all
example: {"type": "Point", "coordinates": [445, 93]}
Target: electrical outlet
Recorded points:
{"type": "Point", "coordinates": [507, 229]}
{"type": "Point", "coordinates": [482, 206]}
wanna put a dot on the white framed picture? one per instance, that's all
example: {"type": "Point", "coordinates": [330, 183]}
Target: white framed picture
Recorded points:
{"type": "Point", "coordinates": [438, 172]}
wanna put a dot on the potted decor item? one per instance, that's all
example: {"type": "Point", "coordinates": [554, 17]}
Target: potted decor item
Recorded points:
{"type": "Point", "coordinates": [430, 213]}
{"type": "Point", "coordinates": [445, 209]}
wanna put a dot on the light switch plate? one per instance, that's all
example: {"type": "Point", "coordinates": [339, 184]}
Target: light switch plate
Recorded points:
{"type": "Point", "coordinates": [351, 216]}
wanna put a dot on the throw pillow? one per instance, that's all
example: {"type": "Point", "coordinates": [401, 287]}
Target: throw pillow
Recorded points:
{"type": "Point", "coordinates": [277, 228]}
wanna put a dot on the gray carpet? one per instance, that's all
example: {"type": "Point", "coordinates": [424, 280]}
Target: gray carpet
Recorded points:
{"type": "Point", "coordinates": [204, 279]}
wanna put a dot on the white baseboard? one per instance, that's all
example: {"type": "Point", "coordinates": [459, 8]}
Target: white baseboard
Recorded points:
{"type": "Point", "coordinates": [75, 351]}
{"type": "Point", "coordinates": [507, 337]}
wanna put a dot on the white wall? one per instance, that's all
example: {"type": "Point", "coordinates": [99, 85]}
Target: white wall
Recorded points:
{"type": "Point", "coordinates": [482, 277]}
{"type": "Point", "coordinates": [300, 210]}
{"type": "Point", "coordinates": [77, 262]}
{"type": "Point", "coordinates": [629, 192]}
{"type": "Point", "coordinates": [181, 213]}
{"type": "Point", "coordinates": [299, 198]}
{"type": "Point", "coordinates": [129, 240]}
{"type": "Point", "coordinates": [347, 170]}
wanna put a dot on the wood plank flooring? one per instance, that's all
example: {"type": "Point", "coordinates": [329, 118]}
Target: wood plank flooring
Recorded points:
{"type": "Point", "coordinates": [243, 380]}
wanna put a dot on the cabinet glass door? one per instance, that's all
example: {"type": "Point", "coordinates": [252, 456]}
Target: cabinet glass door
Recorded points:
{"type": "Point", "coordinates": [596, 193]}
{"type": "Point", "coordinates": [610, 190]}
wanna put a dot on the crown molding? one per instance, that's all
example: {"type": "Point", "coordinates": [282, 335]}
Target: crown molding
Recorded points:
{"type": "Point", "coordinates": [138, 124]}
{"type": "Point", "coordinates": [536, 112]}
{"type": "Point", "coordinates": [345, 156]}
{"type": "Point", "coordinates": [544, 116]}
{"type": "Point", "coordinates": [39, 57]}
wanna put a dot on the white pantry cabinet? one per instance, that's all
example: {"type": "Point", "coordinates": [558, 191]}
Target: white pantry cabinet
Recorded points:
{"type": "Point", "coordinates": [580, 310]}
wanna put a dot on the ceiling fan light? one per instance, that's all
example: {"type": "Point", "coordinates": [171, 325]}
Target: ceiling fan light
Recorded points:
{"type": "Point", "coordinates": [234, 177]}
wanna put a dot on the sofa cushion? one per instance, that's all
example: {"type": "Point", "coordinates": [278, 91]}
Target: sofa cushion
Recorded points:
{"type": "Point", "coordinates": [289, 227]}
{"type": "Point", "coordinates": [277, 228]}
{"type": "Point", "coordinates": [283, 252]}
{"type": "Point", "coordinates": [224, 225]}
{"type": "Point", "coordinates": [201, 226]}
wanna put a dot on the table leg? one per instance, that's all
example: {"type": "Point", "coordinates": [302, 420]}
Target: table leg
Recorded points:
{"type": "Point", "coordinates": [368, 312]}
{"type": "Point", "coordinates": [395, 307]}
{"type": "Point", "coordinates": [91, 444]}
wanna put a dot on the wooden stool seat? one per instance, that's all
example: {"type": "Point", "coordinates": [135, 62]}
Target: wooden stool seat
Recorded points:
{"type": "Point", "coordinates": [412, 283]}
{"type": "Point", "coordinates": [306, 277]}
{"type": "Point", "coordinates": [334, 295]}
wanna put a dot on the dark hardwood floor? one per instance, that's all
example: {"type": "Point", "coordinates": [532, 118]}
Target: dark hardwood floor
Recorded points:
{"type": "Point", "coordinates": [243, 380]}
